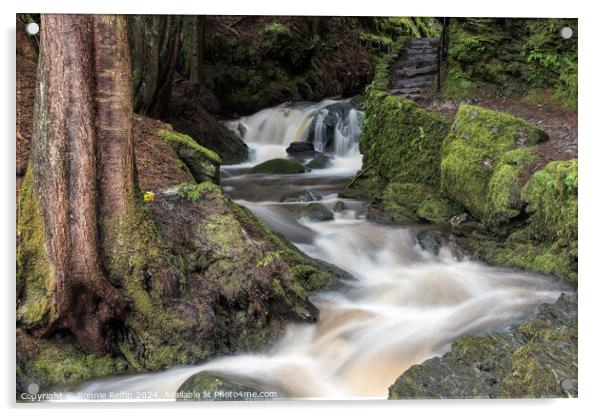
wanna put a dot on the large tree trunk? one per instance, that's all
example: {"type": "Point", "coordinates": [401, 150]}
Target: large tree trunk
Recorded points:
{"type": "Point", "coordinates": [82, 166]}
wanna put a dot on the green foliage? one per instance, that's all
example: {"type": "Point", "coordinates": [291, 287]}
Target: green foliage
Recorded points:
{"type": "Point", "coordinates": [377, 43]}
{"type": "Point", "coordinates": [512, 56]}
{"type": "Point", "coordinates": [416, 27]}
{"type": "Point", "coordinates": [278, 166]}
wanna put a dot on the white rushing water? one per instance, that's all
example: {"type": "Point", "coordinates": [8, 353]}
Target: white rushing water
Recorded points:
{"type": "Point", "coordinates": [269, 132]}
{"type": "Point", "coordinates": [404, 306]}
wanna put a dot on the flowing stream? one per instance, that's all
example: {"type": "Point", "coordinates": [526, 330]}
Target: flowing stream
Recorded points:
{"type": "Point", "coordinates": [404, 306]}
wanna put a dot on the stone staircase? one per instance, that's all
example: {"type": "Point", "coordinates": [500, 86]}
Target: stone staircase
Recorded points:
{"type": "Point", "coordinates": [415, 75]}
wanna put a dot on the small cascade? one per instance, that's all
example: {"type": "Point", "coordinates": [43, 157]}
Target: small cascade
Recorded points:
{"type": "Point", "coordinates": [332, 126]}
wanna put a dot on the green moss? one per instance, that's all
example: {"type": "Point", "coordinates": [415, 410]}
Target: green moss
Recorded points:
{"type": "Point", "coordinates": [192, 192]}
{"type": "Point", "coordinates": [224, 230]}
{"type": "Point", "coordinates": [311, 278]}
{"type": "Point", "coordinates": [401, 144]}
{"type": "Point", "coordinates": [401, 140]}
{"type": "Point", "coordinates": [415, 202]}
{"type": "Point", "coordinates": [551, 198]}
{"type": "Point", "coordinates": [474, 148]}
{"type": "Point", "coordinates": [35, 280]}
{"type": "Point", "coordinates": [515, 252]}
{"type": "Point", "coordinates": [504, 188]}
{"type": "Point", "coordinates": [495, 56]}
{"type": "Point", "coordinates": [60, 363]}
{"type": "Point", "coordinates": [278, 166]}
{"type": "Point", "coordinates": [203, 163]}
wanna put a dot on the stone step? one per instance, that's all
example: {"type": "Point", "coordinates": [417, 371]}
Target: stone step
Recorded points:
{"type": "Point", "coordinates": [405, 91]}
{"type": "Point", "coordinates": [414, 70]}
{"type": "Point", "coordinates": [420, 81]}
{"type": "Point", "coordinates": [424, 42]}
{"type": "Point", "coordinates": [425, 57]}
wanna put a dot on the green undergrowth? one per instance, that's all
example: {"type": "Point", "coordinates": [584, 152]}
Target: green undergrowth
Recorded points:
{"type": "Point", "coordinates": [513, 57]}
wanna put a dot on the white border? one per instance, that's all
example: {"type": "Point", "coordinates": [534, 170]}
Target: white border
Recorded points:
{"type": "Point", "coordinates": [590, 344]}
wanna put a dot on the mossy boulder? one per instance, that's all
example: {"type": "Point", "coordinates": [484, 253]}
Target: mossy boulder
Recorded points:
{"type": "Point", "coordinates": [319, 162]}
{"type": "Point", "coordinates": [401, 143]}
{"type": "Point", "coordinates": [278, 166]}
{"type": "Point", "coordinates": [548, 242]}
{"type": "Point", "coordinates": [204, 164]}
{"type": "Point", "coordinates": [536, 359]}
{"type": "Point", "coordinates": [411, 203]}
{"type": "Point", "coordinates": [482, 159]}
{"type": "Point", "coordinates": [401, 140]}
{"type": "Point", "coordinates": [206, 386]}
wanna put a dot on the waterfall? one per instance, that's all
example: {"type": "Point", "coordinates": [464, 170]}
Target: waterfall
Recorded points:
{"type": "Point", "coordinates": [332, 126]}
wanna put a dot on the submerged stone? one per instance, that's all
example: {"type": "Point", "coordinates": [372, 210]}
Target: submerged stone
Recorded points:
{"type": "Point", "coordinates": [278, 166]}
{"type": "Point", "coordinates": [316, 212]}
{"type": "Point", "coordinates": [206, 386]}
{"type": "Point", "coordinates": [429, 241]}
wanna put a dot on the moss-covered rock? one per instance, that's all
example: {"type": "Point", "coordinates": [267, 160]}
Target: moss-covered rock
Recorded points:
{"type": "Point", "coordinates": [548, 242]}
{"type": "Point", "coordinates": [410, 202]}
{"type": "Point", "coordinates": [536, 359]}
{"type": "Point", "coordinates": [203, 163]}
{"type": "Point", "coordinates": [401, 139]}
{"type": "Point", "coordinates": [206, 386]}
{"type": "Point", "coordinates": [278, 166]}
{"type": "Point", "coordinates": [401, 143]}
{"type": "Point", "coordinates": [482, 159]}
{"type": "Point", "coordinates": [58, 362]}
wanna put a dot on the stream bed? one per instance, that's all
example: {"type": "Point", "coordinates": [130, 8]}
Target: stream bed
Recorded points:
{"type": "Point", "coordinates": [404, 304]}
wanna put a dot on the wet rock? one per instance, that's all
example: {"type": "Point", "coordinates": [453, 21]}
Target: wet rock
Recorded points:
{"type": "Point", "coordinates": [316, 212]}
{"type": "Point", "coordinates": [302, 151]}
{"type": "Point", "coordinates": [464, 225]}
{"type": "Point", "coordinates": [299, 147]}
{"type": "Point", "coordinates": [339, 206]}
{"type": "Point", "coordinates": [206, 386]}
{"type": "Point", "coordinates": [535, 359]}
{"type": "Point", "coordinates": [304, 196]}
{"type": "Point", "coordinates": [323, 126]}
{"type": "Point", "coordinates": [319, 162]}
{"type": "Point", "coordinates": [429, 241]}
{"type": "Point", "coordinates": [278, 166]}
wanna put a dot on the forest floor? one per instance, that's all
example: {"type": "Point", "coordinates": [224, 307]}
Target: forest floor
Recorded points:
{"type": "Point", "coordinates": [560, 125]}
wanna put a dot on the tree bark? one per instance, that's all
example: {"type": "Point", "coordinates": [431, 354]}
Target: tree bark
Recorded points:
{"type": "Point", "coordinates": [154, 43]}
{"type": "Point", "coordinates": [82, 165]}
